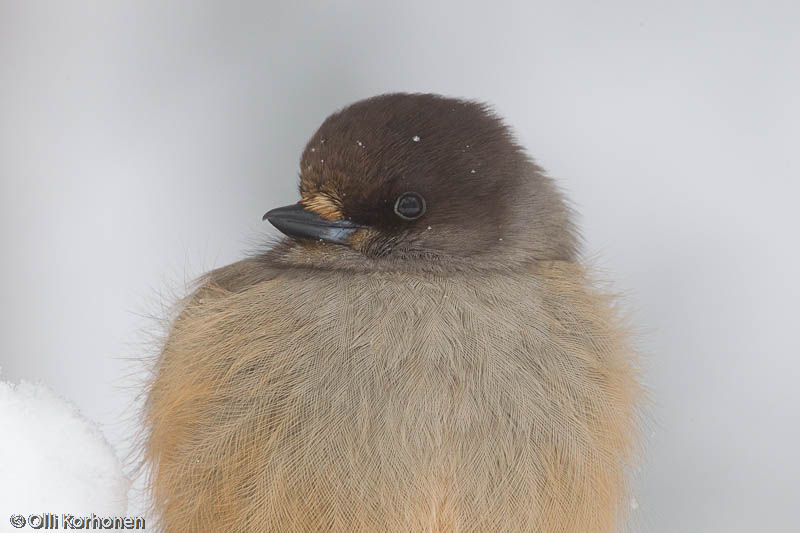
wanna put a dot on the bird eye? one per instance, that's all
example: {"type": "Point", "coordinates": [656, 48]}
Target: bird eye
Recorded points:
{"type": "Point", "coordinates": [410, 206]}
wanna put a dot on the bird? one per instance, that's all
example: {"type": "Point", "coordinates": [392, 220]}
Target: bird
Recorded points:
{"type": "Point", "coordinates": [422, 348]}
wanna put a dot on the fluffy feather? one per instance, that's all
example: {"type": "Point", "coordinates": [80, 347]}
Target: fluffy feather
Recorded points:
{"type": "Point", "coordinates": [496, 403]}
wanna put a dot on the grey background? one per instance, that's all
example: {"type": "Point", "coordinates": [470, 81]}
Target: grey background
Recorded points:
{"type": "Point", "coordinates": [140, 142]}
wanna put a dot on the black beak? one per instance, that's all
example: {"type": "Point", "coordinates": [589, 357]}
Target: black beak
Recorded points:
{"type": "Point", "coordinates": [296, 221]}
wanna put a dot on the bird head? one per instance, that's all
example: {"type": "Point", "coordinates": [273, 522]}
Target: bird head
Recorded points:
{"type": "Point", "coordinates": [421, 181]}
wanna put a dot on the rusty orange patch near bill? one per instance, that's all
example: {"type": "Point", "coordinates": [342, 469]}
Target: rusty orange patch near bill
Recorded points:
{"type": "Point", "coordinates": [324, 205]}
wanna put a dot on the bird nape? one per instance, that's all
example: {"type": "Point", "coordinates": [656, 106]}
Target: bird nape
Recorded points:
{"type": "Point", "coordinates": [423, 349]}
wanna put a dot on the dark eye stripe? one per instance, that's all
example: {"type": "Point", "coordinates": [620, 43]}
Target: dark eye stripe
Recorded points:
{"type": "Point", "coordinates": [409, 206]}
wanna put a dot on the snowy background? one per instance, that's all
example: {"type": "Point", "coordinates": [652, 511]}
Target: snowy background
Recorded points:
{"type": "Point", "coordinates": [140, 143]}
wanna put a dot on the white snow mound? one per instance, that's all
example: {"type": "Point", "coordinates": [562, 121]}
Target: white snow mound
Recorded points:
{"type": "Point", "coordinates": [54, 460]}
